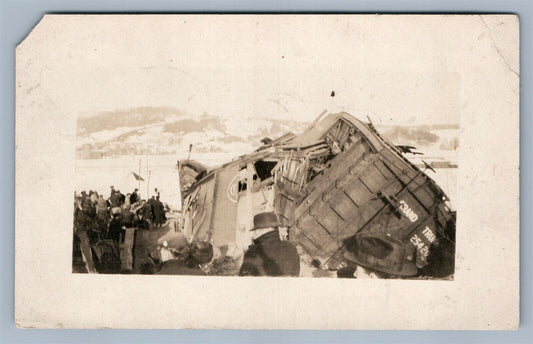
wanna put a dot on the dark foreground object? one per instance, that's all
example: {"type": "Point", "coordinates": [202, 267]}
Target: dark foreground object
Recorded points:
{"type": "Point", "coordinates": [269, 256]}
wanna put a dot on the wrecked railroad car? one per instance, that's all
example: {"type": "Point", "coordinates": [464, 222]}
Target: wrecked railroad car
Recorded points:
{"type": "Point", "coordinates": [345, 196]}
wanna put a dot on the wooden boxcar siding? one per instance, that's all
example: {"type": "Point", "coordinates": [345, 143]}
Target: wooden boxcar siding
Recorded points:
{"type": "Point", "coordinates": [328, 212]}
{"type": "Point", "coordinates": [344, 200]}
{"type": "Point", "coordinates": [340, 165]}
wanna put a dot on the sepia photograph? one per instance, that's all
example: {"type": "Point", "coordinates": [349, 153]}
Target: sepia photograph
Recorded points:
{"type": "Point", "coordinates": [231, 160]}
{"type": "Point", "coordinates": [334, 197]}
{"type": "Point", "coordinates": [335, 188]}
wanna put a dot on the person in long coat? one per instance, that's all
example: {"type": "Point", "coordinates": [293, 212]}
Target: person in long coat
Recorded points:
{"type": "Point", "coordinates": [148, 214]}
{"type": "Point", "coordinates": [115, 228]}
{"type": "Point", "coordinates": [159, 212]}
{"type": "Point", "coordinates": [121, 198]}
{"type": "Point", "coordinates": [269, 255]}
{"type": "Point", "coordinates": [134, 198]}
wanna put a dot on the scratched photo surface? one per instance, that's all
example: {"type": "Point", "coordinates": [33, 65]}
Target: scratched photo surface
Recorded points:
{"type": "Point", "coordinates": [273, 150]}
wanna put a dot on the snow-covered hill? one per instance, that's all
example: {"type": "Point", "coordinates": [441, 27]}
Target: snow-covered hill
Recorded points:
{"type": "Point", "coordinates": [144, 131]}
{"type": "Point", "coordinates": [149, 141]}
{"type": "Point", "coordinates": [168, 131]}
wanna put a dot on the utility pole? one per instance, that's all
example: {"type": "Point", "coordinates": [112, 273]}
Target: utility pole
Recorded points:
{"type": "Point", "coordinates": [139, 180]}
{"type": "Point", "coordinates": [148, 185]}
{"type": "Point", "coordinates": [190, 149]}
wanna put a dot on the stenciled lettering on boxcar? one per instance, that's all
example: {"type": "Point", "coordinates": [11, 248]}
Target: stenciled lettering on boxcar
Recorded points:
{"type": "Point", "coordinates": [422, 241]}
{"type": "Point", "coordinates": [408, 212]}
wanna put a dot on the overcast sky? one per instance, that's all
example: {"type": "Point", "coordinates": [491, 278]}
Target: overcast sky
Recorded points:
{"type": "Point", "coordinates": [396, 71]}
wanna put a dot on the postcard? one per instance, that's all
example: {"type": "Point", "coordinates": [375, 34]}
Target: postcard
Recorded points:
{"type": "Point", "coordinates": [268, 172]}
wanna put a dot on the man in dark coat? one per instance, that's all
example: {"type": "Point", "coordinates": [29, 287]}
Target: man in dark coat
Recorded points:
{"type": "Point", "coordinates": [148, 214]}
{"type": "Point", "coordinates": [159, 212]}
{"type": "Point", "coordinates": [115, 228]}
{"type": "Point", "coordinates": [121, 198]}
{"type": "Point", "coordinates": [269, 255]}
{"type": "Point", "coordinates": [133, 196]}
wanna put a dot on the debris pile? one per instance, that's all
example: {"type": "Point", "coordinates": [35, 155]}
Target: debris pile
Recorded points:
{"type": "Point", "coordinates": [344, 196]}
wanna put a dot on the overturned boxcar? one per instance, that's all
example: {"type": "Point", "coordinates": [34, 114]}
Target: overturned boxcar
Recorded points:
{"type": "Point", "coordinates": [346, 196]}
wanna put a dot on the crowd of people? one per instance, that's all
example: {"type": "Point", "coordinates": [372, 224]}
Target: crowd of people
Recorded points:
{"type": "Point", "coordinates": [268, 254]}
{"type": "Point", "coordinates": [94, 212]}
{"type": "Point", "coordinates": [99, 220]}
{"type": "Point", "coordinates": [102, 227]}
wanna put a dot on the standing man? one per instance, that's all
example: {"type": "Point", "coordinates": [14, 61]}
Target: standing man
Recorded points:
{"type": "Point", "coordinates": [159, 212]}
{"type": "Point", "coordinates": [121, 198]}
{"type": "Point", "coordinates": [134, 197]}
{"type": "Point", "coordinates": [269, 255]}
{"type": "Point", "coordinates": [147, 214]}
{"type": "Point", "coordinates": [114, 202]}
{"type": "Point", "coordinates": [115, 228]}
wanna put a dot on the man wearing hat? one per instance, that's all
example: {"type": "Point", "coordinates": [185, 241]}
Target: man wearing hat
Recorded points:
{"type": "Point", "coordinates": [268, 255]}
